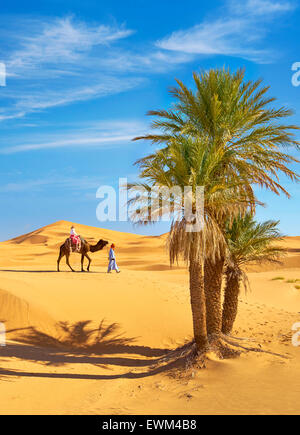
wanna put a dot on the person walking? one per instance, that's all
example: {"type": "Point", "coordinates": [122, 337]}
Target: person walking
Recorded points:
{"type": "Point", "coordinates": [112, 260]}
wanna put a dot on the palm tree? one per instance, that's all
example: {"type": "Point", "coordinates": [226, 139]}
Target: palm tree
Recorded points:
{"type": "Point", "coordinates": [248, 241]}
{"type": "Point", "coordinates": [187, 162]}
{"type": "Point", "coordinates": [234, 119]}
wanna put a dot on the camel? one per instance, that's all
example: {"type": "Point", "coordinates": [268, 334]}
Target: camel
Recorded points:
{"type": "Point", "coordinates": [85, 247]}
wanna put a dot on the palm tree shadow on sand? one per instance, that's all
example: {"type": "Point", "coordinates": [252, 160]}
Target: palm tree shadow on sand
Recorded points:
{"type": "Point", "coordinates": [101, 347]}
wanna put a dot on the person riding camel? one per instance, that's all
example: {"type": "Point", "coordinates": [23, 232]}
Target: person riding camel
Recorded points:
{"type": "Point", "coordinates": [75, 238]}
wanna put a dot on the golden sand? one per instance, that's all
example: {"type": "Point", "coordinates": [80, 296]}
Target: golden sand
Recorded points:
{"type": "Point", "coordinates": [93, 343]}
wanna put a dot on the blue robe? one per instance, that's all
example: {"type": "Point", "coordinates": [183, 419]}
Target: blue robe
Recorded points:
{"type": "Point", "coordinates": [112, 261]}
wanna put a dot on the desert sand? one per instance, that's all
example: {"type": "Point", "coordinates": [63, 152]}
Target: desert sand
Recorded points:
{"type": "Point", "coordinates": [93, 343]}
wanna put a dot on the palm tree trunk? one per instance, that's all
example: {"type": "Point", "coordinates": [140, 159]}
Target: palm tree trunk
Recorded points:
{"type": "Point", "coordinates": [198, 305]}
{"type": "Point", "coordinates": [213, 274]}
{"type": "Point", "coordinates": [230, 305]}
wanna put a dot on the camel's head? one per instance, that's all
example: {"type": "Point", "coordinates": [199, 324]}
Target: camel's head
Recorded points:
{"type": "Point", "coordinates": [102, 243]}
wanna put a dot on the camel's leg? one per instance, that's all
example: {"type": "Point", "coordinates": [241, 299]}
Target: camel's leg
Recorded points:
{"type": "Point", "coordinates": [68, 263]}
{"type": "Point", "coordinates": [61, 255]}
{"type": "Point", "coordinates": [88, 268]}
{"type": "Point", "coordinates": [82, 261]}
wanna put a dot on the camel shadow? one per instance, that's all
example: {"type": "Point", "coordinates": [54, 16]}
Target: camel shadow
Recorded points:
{"type": "Point", "coordinates": [79, 343]}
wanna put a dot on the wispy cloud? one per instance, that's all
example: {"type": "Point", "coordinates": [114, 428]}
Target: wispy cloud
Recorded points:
{"type": "Point", "coordinates": [53, 65]}
{"type": "Point", "coordinates": [108, 134]}
{"type": "Point", "coordinates": [38, 100]}
{"type": "Point", "coordinates": [14, 115]}
{"type": "Point", "coordinates": [53, 44]}
{"type": "Point", "coordinates": [52, 62]}
{"type": "Point", "coordinates": [62, 61]}
{"type": "Point", "coordinates": [78, 183]}
{"type": "Point", "coordinates": [261, 7]}
{"type": "Point", "coordinates": [238, 32]}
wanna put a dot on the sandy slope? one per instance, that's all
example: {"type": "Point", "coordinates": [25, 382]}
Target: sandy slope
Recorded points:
{"type": "Point", "coordinates": [98, 343]}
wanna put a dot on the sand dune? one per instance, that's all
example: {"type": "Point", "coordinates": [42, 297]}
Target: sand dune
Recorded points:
{"type": "Point", "coordinates": [98, 343]}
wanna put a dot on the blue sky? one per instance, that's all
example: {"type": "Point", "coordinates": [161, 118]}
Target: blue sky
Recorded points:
{"type": "Point", "coordinates": [82, 75]}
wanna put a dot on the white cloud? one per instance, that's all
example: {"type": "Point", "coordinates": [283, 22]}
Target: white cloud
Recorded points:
{"type": "Point", "coordinates": [62, 61]}
{"type": "Point", "coordinates": [85, 141]}
{"type": "Point", "coordinates": [39, 101]}
{"type": "Point", "coordinates": [212, 38]}
{"type": "Point", "coordinates": [30, 101]}
{"type": "Point", "coordinates": [261, 7]}
{"type": "Point", "coordinates": [154, 61]}
{"type": "Point", "coordinates": [52, 62]}
{"type": "Point", "coordinates": [61, 41]}
{"type": "Point", "coordinates": [53, 65]}
{"type": "Point", "coordinates": [237, 33]}
{"type": "Point", "coordinates": [15, 115]}
{"type": "Point", "coordinates": [54, 179]}
{"type": "Point", "coordinates": [101, 134]}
